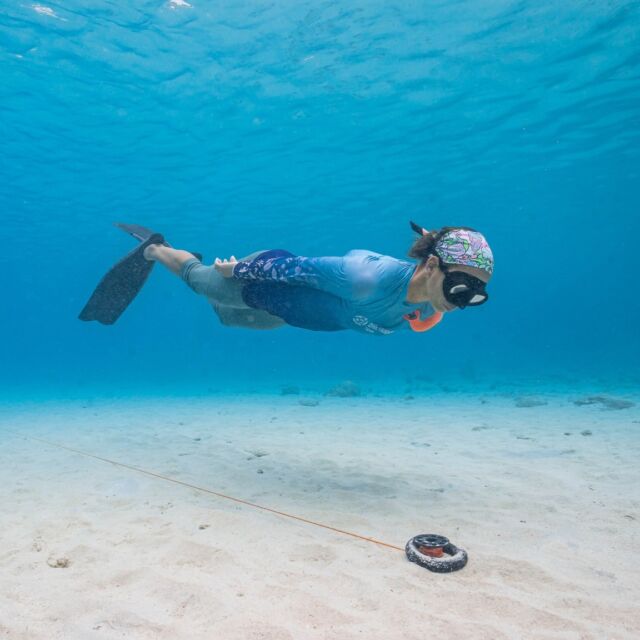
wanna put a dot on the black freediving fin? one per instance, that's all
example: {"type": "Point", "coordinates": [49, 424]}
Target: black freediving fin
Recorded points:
{"type": "Point", "coordinates": [142, 234]}
{"type": "Point", "coordinates": [122, 283]}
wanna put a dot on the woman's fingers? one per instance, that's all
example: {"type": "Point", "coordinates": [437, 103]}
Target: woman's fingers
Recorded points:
{"type": "Point", "coordinates": [225, 267]}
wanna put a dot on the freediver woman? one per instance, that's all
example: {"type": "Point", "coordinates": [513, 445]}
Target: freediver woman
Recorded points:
{"type": "Point", "coordinates": [363, 290]}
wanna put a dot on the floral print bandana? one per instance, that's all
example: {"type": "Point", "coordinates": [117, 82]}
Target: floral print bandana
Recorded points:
{"type": "Point", "coordinates": [469, 248]}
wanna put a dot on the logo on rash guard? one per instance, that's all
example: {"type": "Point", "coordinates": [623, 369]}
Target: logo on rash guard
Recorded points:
{"type": "Point", "coordinates": [368, 326]}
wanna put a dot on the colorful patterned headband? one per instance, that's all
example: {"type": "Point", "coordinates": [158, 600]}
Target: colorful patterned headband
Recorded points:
{"type": "Point", "coordinates": [469, 248]}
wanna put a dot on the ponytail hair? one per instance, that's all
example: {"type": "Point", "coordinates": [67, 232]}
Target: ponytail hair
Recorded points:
{"type": "Point", "coordinates": [425, 245]}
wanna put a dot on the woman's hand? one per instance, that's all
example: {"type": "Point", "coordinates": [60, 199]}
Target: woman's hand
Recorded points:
{"type": "Point", "coordinates": [225, 267]}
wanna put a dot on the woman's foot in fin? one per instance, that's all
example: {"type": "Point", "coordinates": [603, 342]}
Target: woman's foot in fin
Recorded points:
{"type": "Point", "coordinates": [151, 252]}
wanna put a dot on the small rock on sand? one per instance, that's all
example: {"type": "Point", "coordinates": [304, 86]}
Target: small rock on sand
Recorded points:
{"type": "Point", "coordinates": [59, 563]}
{"type": "Point", "coordinates": [527, 402]}
{"type": "Point", "coordinates": [345, 389]}
{"type": "Point", "coordinates": [607, 402]}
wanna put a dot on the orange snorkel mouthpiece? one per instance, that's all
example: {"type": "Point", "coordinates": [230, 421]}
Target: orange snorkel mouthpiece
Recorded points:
{"type": "Point", "coordinates": [423, 325]}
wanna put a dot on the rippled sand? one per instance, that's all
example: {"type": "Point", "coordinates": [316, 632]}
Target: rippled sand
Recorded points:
{"type": "Point", "coordinates": [544, 497]}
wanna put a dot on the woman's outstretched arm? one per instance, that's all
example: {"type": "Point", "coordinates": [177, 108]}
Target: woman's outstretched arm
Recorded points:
{"type": "Point", "coordinates": [355, 276]}
{"type": "Point", "coordinates": [323, 273]}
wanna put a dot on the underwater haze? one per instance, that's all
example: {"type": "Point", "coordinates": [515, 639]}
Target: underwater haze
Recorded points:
{"type": "Point", "coordinates": [167, 477]}
{"type": "Point", "coordinates": [319, 127]}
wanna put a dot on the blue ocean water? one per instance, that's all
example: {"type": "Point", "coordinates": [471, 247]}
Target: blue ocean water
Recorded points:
{"type": "Point", "coordinates": [319, 127]}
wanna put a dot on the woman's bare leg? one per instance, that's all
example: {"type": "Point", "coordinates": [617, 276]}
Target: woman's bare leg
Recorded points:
{"type": "Point", "coordinates": [224, 294]}
{"type": "Point", "coordinates": [171, 258]}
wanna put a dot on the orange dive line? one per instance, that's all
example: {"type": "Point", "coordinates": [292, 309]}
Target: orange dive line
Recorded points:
{"type": "Point", "coordinates": [152, 474]}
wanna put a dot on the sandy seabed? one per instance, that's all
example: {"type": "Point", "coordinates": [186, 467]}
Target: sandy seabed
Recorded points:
{"type": "Point", "coordinates": [545, 499]}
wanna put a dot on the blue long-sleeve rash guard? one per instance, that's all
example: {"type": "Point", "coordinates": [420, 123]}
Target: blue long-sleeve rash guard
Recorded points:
{"type": "Point", "coordinates": [362, 290]}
